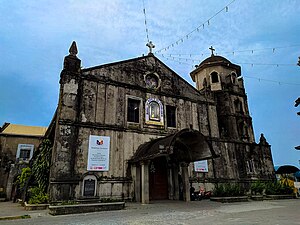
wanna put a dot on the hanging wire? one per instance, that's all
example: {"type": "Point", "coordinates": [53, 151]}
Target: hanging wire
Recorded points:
{"type": "Point", "coordinates": [245, 50]}
{"type": "Point", "coordinates": [273, 81]}
{"type": "Point", "coordinates": [250, 77]}
{"type": "Point", "coordinates": [225, 8]}
{"type": "Point", "coordinates": [146, 26]}
{"type": "Point", "coordinates": [170, 56]}
{"type": "Point", "coordinates": [262, 49]}
{"type": "Point", "coordinates": [266, 64]}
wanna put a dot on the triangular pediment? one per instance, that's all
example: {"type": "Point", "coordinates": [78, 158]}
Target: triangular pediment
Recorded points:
{"type": "Point", "coordinates": [148, 73]}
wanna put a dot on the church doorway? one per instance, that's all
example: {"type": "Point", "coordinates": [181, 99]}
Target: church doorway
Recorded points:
{"type": "Point", "coordinates": [158, 179]}
{"type": "Point", "coordinates": [160, 167]}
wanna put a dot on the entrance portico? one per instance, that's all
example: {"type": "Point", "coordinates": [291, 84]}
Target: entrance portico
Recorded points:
{"type": "Point", "coordinates": [160, 167]}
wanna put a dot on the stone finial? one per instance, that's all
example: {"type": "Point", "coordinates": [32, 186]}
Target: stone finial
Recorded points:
{"type": "Point", "coordinates": [71, 62]}
{"type": "Point", "coordinates": [263, 140]}
{"type": "Point", "coordinates": [73, 49]}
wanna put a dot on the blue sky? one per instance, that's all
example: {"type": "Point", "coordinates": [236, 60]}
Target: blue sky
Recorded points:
{"type": "Point", "coordinates": [36, 35]}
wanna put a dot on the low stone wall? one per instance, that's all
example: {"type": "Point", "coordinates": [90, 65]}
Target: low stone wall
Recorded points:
{"type": "Point", "coordinates": [276, 197]}
{"type": "Point", "coordinates": [30, 207]}
{"type": "Point", "coordinates": [257, 197]}
{"type": "Point", "coordinates": [229, 199]}
{"type": "Point", "coordinates": [84, 208]}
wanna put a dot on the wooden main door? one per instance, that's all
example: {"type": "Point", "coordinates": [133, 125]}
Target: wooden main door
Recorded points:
{"type": "Point", "coordinates": [158, 179]}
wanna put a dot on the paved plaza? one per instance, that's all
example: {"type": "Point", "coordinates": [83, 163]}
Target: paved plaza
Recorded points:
{"type": "Point", "coordinates": [171, 212]}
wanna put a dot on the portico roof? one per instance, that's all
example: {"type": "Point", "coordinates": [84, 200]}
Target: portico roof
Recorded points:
{"type": "Point", "coordinates": [184, 146]}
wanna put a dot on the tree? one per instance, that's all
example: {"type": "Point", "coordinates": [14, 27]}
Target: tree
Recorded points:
{"type": "Point", "coordinates": [41, 164]}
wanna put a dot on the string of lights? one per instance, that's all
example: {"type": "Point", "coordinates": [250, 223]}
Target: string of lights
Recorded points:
{"type": "Point", "coordinates": [273, 81]}
{"type": "Point", "coordinates": [146, 26]}
{"type": "Point", "coordinates": [252, 51]}
{"type": "Point", "coordinates": [197, 29]}
{"type": "Point", "coordinates": [249, 77]}
{"type": "Point", "coordinates": [273, 49]}
{"type": "Point", "coordinates": [181, 59]}
{"type": "Point", "coordinates": [266, 64]}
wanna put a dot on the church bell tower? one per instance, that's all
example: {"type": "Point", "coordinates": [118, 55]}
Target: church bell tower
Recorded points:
{"type": "Point", "coordinates": [218, 77]}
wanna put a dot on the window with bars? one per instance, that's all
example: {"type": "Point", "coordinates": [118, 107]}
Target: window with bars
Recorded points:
{"type": "Point", "coordinates": [25, 154]}
{"type": "Point", "coordinates": [133, 110]}
{"type": "Point", "coordinates": [171, 116]}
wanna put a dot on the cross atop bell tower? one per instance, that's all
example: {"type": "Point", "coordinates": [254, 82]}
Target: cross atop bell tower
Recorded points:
{"type": "Point", "coordinates": [212, 50]}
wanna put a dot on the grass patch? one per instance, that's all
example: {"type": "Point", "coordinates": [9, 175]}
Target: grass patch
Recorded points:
{"type": "Point", "coordinates": [15, 217]}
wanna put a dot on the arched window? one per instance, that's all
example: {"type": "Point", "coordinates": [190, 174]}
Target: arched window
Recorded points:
{"type": "Point", "coordinates": [154, 111]}
{"type": "Point", "coordinates": [214, 77]}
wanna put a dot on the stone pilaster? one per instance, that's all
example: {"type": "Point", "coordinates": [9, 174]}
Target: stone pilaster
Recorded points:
{"type": "Point", "coordinates": [185, 181]}
{"type": "Point", "coordinates": [136, 177]}
{"type": "Point", "coordinates": [145, 182]}
{"type": "Point", "coordinates": [62, 178]}
{"type": "Point", "coordinates": [175, 182]}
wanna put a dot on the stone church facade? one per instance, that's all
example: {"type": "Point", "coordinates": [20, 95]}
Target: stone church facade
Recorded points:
{"type": "Point", "coordinates": [154, 125]}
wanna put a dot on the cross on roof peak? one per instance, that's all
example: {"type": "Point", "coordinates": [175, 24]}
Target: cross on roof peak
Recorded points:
{"type": "Point", "coordinates": [212, 50]}
{"type": "Point", "coordinates": [150, 45]}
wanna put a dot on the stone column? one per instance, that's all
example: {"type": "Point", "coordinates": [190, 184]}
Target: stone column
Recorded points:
{"type": "Point", "coordinates": [136, 178]}
{"type": "Point", "coordinates": [170, 182]}
{"type": "Point", "coordinates": [145, 182]}
{"type": "Point", "coordinates": [186, 182]}
{"type": "Point", "coordinates": [175, 182]}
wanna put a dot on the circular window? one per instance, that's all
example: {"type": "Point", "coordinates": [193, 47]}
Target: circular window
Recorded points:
{"type": "Point", "coordinates": [151, 81]}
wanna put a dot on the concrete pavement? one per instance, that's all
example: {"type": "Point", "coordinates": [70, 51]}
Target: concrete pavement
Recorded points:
{"type": "Point", "coordinates": [275, 212]}
{"type": "Point", "coordinates": [10, 209]}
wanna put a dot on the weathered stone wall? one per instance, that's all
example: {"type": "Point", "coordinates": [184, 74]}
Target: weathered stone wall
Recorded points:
{"type": "Point", "coordinates": [95, 103]}
{"type": "Point", "coordinates": [232, 165]}
{"type": "Point", "coordinates": [63, 180]}
{"type": "Point", "coordinates": [125, 140]}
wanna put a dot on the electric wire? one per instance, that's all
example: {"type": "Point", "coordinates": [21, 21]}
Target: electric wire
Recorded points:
{"type": "Point", "coordinates": [250, 77]}
{"type": "Point", "coordinates": [180, 40]}
{"type": "Point", "coordinates": [146, 26]}
{"type": "Point", "coordinates": [273, 49]}
{"type": "Point", "coordinates": [180, 59]}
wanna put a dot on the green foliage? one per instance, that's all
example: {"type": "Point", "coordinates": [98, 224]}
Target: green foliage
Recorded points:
{"type": "Point", "coordinates": [228, 190]}
{"type": "Point", "coordinates": [69, 202]}
{"type": "Point", "coordinates": [277, 188]}
{"type": "Point", "coordinates": [41, 164]}
{"type": "Point", "coordinates": [107, 200]}
{"type": "Point", "coordinates": [257, 187]}
{"type": "Point", "coordinates": [37, 196]}
{"type": "Point", "coordinates": [25, 217]}
{"type": "Point", "coordinates": [24, 177]}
